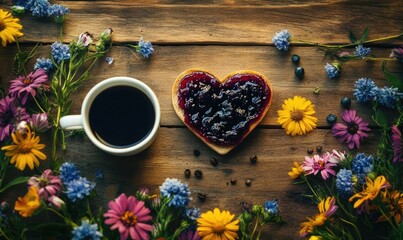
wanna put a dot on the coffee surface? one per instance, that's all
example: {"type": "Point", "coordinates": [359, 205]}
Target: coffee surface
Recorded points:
{"type": "Point", "coordinates": [121, 116]}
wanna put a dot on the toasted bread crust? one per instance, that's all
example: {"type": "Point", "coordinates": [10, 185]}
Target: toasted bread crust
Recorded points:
{"type": "Point", "coordinates": [181, 114]}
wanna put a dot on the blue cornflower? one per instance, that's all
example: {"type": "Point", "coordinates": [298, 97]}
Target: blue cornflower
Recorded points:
{"type": "Point", "coordinates": [44, 63]}
{"type": "Point", "coordinates": [60, 51]}
{"type": "Point", "coordinates": [86, 231]}
{"type": "Point", "coordinates": [145, 48]}
{"type": "Point", "coordinates": [388, 96]}
{"type": "Point", "coordinates": [178, 191]}
{"type": "Point", "coordinates": [344, 183]}
{"type": "Point", "coordinates": [57, 10]}
{"type": "Point", "coordinates": [332, 71]}
{"type": "Point", "coordinates": [271, 206]}
{"type": "Point", "coordinates": [68, 172]}
{"type": "Point", "coordinates": [192, 213]}
{"type": "Point", "coordinates": [365, 90]}
{"type": "Point", "coordinates": [281, 40]}
{"type": "Point", "coordinates": [39, 8]}
{"type": "Point", "coordinates": [362, 51]}
{"type": "Point", "coordinates": [79, 188]}
{"type": "Point", "coordinates": [362, 165]}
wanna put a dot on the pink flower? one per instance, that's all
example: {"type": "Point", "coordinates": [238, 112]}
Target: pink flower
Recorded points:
{"type": "Point", "coordinates": [48, 184]}
{"type": "Point", "coordinates": [336, 156]}
{"type": "Point", "coordinates": [39, 122]}
{"type": "Point", "coordinates": [397, 143]}
{"type": "Point", "coordinates": [25, 86]}
{"type": "Point", "coordinates": [10, 116]}
{"type": "Point", "coordinates": [129, 216]}
{"type": "Point", "coordinates": [190, 235]}
{"type": "Point", "coordinates": [319, 164]}
{"type": "Point", "coordinates": [353, 132]}
{"type": "Point", "coordinates": [56, 201]}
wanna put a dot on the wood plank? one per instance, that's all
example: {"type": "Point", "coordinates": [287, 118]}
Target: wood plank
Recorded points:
{"type": "Point", "coordinates": [219, 24]}
{"type": "Point", "coordinates": [160, 71]}
{"type": "Point", "coordinates": [172, 153]}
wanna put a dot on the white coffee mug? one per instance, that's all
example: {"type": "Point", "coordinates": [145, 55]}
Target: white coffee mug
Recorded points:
{"type": "Point", "coordinates": [120, 115]}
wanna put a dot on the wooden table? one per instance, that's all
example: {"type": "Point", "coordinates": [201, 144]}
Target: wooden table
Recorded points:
{"type": "Point", "coordinates": [221, 36]}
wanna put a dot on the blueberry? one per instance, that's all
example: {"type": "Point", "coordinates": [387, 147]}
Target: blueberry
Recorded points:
{"type": "Point", "coordinates": [331, 119]}
{"type": "Point", "coordinates": [295, 58]}
{"type": "Point", "coordinates": [345, 102]}
{"type": "Point", "coordinates": [299, 72]}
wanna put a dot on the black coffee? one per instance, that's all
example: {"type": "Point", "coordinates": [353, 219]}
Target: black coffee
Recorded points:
{"type": "Point", "coordinates": [121, 116]}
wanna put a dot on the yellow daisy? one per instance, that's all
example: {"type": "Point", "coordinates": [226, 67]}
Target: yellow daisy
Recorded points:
{"type": "Point", "coordinates": [370, 191]}
{"type": "Point", "coordinates": [9, 28]}
{"type": "Point", "coordinates": [296, 171]}
{"type": "Point", "coordinates": [217, 225]}
{"type": "Point", "coordinates": [25, 150]}
{"type": "Point", "coordinates": [27, 205]}
{"type": "Point", "coordinates": [297, 116]}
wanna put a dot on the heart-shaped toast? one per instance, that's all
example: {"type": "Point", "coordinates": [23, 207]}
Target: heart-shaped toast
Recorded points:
{"type": "Point", "coordinates": [221, 112]}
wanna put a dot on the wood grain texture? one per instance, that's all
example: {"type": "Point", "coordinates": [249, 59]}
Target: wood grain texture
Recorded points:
{"type": "Point", "coordinates": [324, 22]}
{"type": "Point", "coordinates": [161, 70]}
{"type": "Point", "coordinates": [220, 36]}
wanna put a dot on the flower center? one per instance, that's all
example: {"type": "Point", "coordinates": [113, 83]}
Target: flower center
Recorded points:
{"type": "Point", "coordinates": [129, 218]}
{"type": "Point", "coordinates": [25, 146]}
{"type": "Point", "coordinates": [321, 164]}
{"type": "Point", "coordinates": [218, 229]}
{"type": "Point", "coordinates": [27, 81]}
{"type": "Point", "coordinates": [43, 182]}
{"type": "Point", "coordinates": [297, 115]}
{"type": "Point", "coordinates": [352, 128]}
{"type": "Point", "coordinates": [2, 26]}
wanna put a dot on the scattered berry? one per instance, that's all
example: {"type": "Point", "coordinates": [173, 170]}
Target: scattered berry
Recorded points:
{"type": "Point", "coordinates": [188, 173]}
{"type": "Point", "coordinates": [345, 102]}
{"type": "Point", "coordinates": [196, 152]}
{"type": "Point", "coordinates": [309, 150]}
{"type": "Point", "coordinates": [214, 161]}
{"type": "Point", "coordinates": [253, 159]}
{"type": "Point", "coordinates": [295, 58]}
{"type": "Point", "coordinates": [248, 182]}
{"type": "Point", "coordinates": [198, 173]}
{"type": "Point", "coordinates": [319, 149]}
{"type": "Point", "coordinates": [331, 119]}
{"type": "Point", "coordinates": [233, 181]}
{"type": "Point", "coordinates": [299, 72]}
{"type": "Point", "coordinates": [202, 196]}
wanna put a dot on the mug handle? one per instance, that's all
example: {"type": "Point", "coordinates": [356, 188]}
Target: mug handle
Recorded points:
{"type": "Point", "coordinates": [71, 122]}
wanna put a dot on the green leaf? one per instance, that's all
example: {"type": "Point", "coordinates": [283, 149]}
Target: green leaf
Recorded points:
{"type": "Point", "coordinates": [14, 182]}
{"type": "Point", "coordinates": [381, 119]}
{"type": "Point", "coordinates": [393, 79]}
{"type": "Point", "coordinates": [353, 39]}
{"type": "Point", "coordinates": [364, 35]}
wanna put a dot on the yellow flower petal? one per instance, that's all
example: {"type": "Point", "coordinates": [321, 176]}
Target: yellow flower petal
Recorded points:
{"type": "Point", "coordinates": [25, 150]}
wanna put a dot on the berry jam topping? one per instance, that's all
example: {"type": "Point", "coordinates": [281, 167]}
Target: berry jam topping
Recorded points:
{"type": "Point", "coordinates": [222, 113]}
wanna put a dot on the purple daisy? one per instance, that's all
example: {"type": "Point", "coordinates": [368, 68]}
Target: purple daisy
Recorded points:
{"type": "Point", "coordinates": [25, 86]}
{"type": "Point", "coordinates": [397, 143]}
{"type": "Point", "coordinates": [48, 184]}
{"type": "Point", "coordinates": [319, 164]}
{"type": "Point", "coordinates": [353, 132]}
{"type": "Point", "coordinates": [10, 116]}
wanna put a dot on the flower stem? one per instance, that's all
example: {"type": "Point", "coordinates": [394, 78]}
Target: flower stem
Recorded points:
{"type": "Point", "coordinates": [354, 226]}
{"type": "Point", "coordinates": [3, 234]}
{"type": "Point", "coordinates": [350, 44]}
